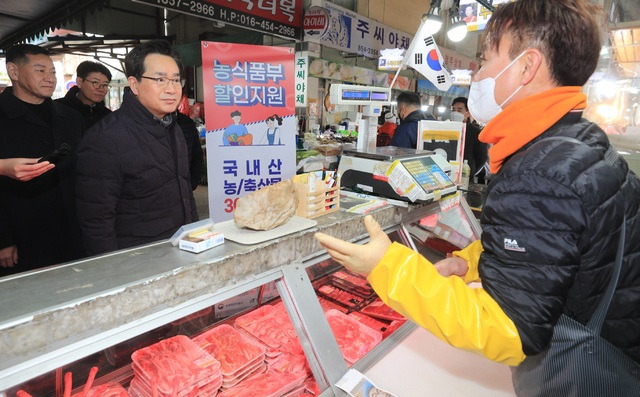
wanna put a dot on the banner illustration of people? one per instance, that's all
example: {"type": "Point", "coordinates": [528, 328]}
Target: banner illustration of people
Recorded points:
{"type": "Point", "coordinates": [236, 134]}
{"type": "Point", "coordinates": [249, 102]}
{"type": "Point", "coordinates": [272, 133]}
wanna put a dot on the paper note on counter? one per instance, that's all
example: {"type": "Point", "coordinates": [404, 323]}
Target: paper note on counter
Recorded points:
{"type": "Point", "coordinates": [358, 385]}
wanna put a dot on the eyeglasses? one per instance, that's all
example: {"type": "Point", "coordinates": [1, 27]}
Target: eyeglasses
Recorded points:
{"type": "Point", "coordinates": [98, 85]}
{"type": "Point", "coordinates": [164, 81]}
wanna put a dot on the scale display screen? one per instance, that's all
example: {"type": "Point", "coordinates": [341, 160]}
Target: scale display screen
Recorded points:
{"type": "Point", "coordinates": [427, 174]}
{"type": "Point", "coordinates": [358, 95]}
{"type": "Point", "coordinates": [379, 96]}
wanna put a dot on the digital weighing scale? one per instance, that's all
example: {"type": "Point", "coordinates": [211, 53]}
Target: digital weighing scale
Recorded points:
{"type": "Point", "coordinates": [398, 173]}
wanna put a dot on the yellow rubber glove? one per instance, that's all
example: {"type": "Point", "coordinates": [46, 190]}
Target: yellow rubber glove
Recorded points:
{"type": "Point", "coordinates": [464, 317]}
{"type": "Point", "coordinates": [358, 258]}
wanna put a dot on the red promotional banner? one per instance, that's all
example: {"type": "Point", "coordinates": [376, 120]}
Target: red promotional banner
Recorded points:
{"type": "Point", "coordinates": [286, 11]}
{"type": "Point", "coordinates": [277, 17]}
{"type": "Point", "coordinates": [250, 120]}
{"type": "Point", "coordinates": [255, 80]}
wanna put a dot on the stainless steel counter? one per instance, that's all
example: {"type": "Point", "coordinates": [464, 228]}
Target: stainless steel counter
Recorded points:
{"type": "Point", "coordinates": [57, 315]}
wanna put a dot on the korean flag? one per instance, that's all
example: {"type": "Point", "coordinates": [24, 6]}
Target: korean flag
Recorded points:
{"type": "Point", "coordinates": [424, 56]}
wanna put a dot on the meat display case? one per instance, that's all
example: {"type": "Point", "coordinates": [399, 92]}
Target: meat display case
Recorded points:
{"type": "Point", "coordinates": [97, 310]}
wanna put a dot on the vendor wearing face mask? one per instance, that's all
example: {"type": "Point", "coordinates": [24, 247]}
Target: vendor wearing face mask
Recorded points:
{"type": "Point", "coordinates": [475, 152]}
{"type": "Point", "coordinates": [552, 220]}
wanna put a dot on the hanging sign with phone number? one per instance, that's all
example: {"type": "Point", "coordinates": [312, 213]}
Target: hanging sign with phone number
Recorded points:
{"type": "Point", "coordinates": [277, 17]}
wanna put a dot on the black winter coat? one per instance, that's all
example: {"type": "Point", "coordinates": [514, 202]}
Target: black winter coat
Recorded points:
{"type": "Point", "coordinates": [406, 134]}
{"type": "Point", "coordinates": [38, 216]}
{"type": "Point", "coordinates": [132, 180]}
{"type": "Point", "coordinates": [194, 148]}
{"type": "Point", "coordinates": [90, 114]}
{"type": "Point", "coordinates": [550, 228]}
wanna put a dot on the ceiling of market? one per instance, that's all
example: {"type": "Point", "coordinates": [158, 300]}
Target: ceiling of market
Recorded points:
{"type": "Point", "coordinates": [28, 19]}
{"type": "Point", "coordinates": [21, 19]}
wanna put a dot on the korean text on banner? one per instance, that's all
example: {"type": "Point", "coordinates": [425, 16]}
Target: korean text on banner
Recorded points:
{"type": "Point", "coordinates": [249, 100]}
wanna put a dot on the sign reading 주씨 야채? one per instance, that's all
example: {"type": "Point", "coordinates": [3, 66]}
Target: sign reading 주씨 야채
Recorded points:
{"type": "Point", "coordinates": [352, 32]}
{"type": "Point", "coordinates": [277, 17]}
{"type": "Point", "coordinates": [302, 72]}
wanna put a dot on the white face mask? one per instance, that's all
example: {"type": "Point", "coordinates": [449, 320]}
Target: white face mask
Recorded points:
{"type": "Point", "coordinates": [456, 116]}
{"type": "Point", "coordinates": [482, 100]}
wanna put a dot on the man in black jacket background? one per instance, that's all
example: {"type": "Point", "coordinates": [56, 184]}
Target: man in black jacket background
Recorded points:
{"type": "Point", "coordinates": [87, 97]}
{"type": "Point", "coordinates": [38, 226]}
{"type": "Point", "coordinates": [410, 113]}
{"type": "Point", "coordinates": [133, 173]}
{"type": "Point", "coordinates": [475, 152]}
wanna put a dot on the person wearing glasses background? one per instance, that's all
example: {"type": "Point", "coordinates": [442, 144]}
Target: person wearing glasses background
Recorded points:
{"type": "Point", "coordinates": [87, 97]}
{"type": "Point", "coordinates": [132, 181]}
{"type": "Point", "coordinates": [38, 226]}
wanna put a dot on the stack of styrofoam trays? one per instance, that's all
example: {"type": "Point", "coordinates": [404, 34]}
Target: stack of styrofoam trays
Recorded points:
{"type": "Point", "coordinates": [290, 363]}
{"type": "Point", "coordinates": [268, 384]}
{"type": "Point", "coordinates": [240, 356]}
{"type": "Point", "coordinates": [175, 366]}
{"type": "Point", "coordinates": [354, 338]}
{"type": "Point", "coordinates": [272, 327]}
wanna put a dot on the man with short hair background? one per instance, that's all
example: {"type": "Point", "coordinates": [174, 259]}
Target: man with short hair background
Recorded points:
{"type": "Point", "coordinates": [475, 152]}
{"type": "Point", "coordinates": [38, 226]}
{"type": "Point", "coordinates": [87, 96]}
{"type": "Point", "coordinates": [133, 173]}
{"type": "Point", "coordinates": [410, 113]}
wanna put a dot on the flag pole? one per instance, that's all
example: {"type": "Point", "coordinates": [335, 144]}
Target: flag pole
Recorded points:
{"type": "Point", "coordinates": [409, 51]}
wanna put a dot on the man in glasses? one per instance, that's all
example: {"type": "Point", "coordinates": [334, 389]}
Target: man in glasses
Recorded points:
{"type": "Point", "coordinates": [132, 178]}
{"type": "Point", "coordinates": [87, 97]}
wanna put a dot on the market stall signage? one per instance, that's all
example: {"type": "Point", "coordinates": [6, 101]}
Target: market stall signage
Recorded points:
{"type": "Point", "coordinates": [354, 33]}
{"type": "Point", "coordinates": [249, 102]}
{"type": "Point", "coordinates": [390, 59]}
{"type": "Point", "coordinates": [461, 76]}
{"type": "Point", "coordinates": [277, 17]}
{"type": "Point", "coordinates": [316, 21]}
{"type": "Point", "coordinates": [302, 72]}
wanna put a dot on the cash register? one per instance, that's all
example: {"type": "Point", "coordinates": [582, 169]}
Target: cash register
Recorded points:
{"type": "Point", "coordinates": [398, 173]}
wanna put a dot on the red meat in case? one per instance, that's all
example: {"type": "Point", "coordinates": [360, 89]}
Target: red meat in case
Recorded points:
{"type": "Point", "coordinates": [393, 327]}
{"type": "Point", "coordinates": [234, 350]}
{"type": "Point", "coordinates": [273, 328]}
{"type": "Point", "coordinates": [354, 338]}
{"type": "Point", "coordinates": [290, 363]}
{"type": "Point", "coordinates": [379, 309]}
{"type": "Point", "coordinates": [269, 384]}
{"type": "Point", "coordinates": [369, 321]}
{"type": "Point", "coordinates": [351, 278]}
{"type": "Point", "coordinates": [109, 389]}
{"type": "Point", "coordinates": [176, 361]}
{"type": "Point", "coordinates": [327, 304]}
{"type": "Point", "coordinates": [345, 298]}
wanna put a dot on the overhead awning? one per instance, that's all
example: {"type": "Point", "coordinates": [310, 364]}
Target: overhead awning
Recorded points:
{"type": "Point", "coordinates": [29, 19]}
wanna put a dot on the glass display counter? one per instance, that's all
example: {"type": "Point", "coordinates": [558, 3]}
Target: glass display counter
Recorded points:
{"type": "Point", "coordinates": [97, 312]}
